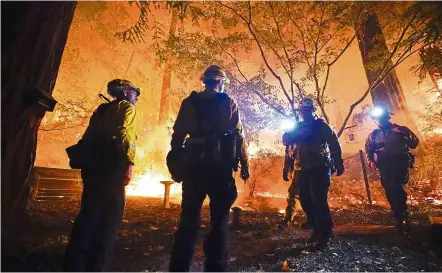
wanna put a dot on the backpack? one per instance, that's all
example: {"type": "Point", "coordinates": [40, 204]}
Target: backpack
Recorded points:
{"type": "Point", "coordinates": [94, 153]}
{"type": "Point", "coordinates": [200, 105]}
{"type": "Point", "coordinates": [219, 146]}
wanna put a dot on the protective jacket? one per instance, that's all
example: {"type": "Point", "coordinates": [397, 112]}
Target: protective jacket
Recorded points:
{"type": "Point", "coordinates": [315, 144]}
{"type": "Point", "coordinates": [117, 122]}
{"type": "Point", "coordinates": [197, 119]}
{"type": "Point", "coordinates": [386, 143]}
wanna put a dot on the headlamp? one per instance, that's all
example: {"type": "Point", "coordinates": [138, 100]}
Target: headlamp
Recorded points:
{"type": "Point", "coordinates": [287, 124]}
{"type": "Point", "coordinates": [377, 112]}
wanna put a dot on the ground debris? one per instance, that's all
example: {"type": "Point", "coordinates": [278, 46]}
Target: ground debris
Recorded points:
{"type": "Point", "coordinates": [364, 240]}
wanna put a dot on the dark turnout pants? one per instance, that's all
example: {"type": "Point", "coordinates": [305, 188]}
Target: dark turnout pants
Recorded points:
{"type": "Point", "coordinates": [219, 185]}
{"type": "Point", "coordinates": [394, 171]}
{"type": "Point", "coordinates": [95, 228]}
{"type": "Point", "coordinates": [291, 198]}
{"type": "Point", "coordinates": [313, 191]}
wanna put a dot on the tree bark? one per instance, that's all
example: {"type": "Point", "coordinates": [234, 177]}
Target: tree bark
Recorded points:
{"type": "Point", "coordinates": [389, 92]}
{"type": "Point", "coordinates": [34, 35]}
{"type": "Point", "coordinates": [160, 152]}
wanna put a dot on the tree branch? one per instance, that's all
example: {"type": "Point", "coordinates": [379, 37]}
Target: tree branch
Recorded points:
{"type": "Point", "coordinates": [383, 74]}
{"type": "Point", "coordinates": [249, 26]}
{"type": "Point", "coordinates": [285, 50]}
{"type": "Point", "coordinates": [56, 128]}
{"type": "Point", "coordinates": [333, 62]}
{"type": "Point", "coordinates": [304, 43]}
{"type": "Point", "coordinates": [262, 97]}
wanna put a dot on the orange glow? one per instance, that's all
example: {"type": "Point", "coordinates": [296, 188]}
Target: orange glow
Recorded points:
{"type": "Point", "coordinates": [282, 211]}
{"type": "Point", "coordinates": [149, 185]}
{"type": "Point", "coordinates": [438, 131]}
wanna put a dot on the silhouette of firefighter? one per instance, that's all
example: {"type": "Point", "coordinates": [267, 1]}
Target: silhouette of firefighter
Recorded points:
{"type": "Point", "coordinates": [320, 155]}
{"type": "Point", "coordinates": [204, 162]}
{"type": "Point", "coordinates": [291, 166]}
{"type": "Point", "coordinates": [388, 149]}
{"type": "Point", "coordinates": [105, 155]}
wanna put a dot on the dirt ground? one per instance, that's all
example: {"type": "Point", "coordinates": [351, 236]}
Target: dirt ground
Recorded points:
{"type": "Point", "coordinates": [365, 240]}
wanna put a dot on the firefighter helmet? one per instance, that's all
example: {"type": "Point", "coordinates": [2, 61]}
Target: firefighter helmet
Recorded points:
{"type": "Point", "coordinates": [380, 112]}
{"type": "Point", "coordinates": [215, 72]}
{"type": "Point", "coordinates": [306, 104]}
{"type": "Point", "coordinates": [115, 87]}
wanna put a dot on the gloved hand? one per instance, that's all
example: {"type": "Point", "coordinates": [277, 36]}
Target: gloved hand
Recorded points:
{"type": "Point", "coordinates": [128, 175]}
{"type": "Point", "coordinates": [340, 169]}
{"type": "Point", "coordinates": [245, 174]}
{"type": "Point", "coordinates": [285, 175]}
{"type": "Point", "coordinates": [399, 130]}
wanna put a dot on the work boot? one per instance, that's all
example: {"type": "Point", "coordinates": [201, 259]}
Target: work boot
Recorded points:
{"type": "Point", "coordinates": [313, 238]}
{"type": "Point", "coordinates": [403, 225]}
{"type": "Point", "coordinates": [306, 225]}
{"type": "Point", "coordinates": [321, 242]}
{"type": "Point", "coordinates": [283, 225]}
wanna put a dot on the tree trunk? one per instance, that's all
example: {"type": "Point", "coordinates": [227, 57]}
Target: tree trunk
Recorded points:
{"type": "Point", "coordinates": [389, 92]}
{"type": "Point", "coordinates": [160, 152]}
{"type": "Point", "coordinates": [34, 35]}
{"type": "Point", "coordinates": [429, 55]}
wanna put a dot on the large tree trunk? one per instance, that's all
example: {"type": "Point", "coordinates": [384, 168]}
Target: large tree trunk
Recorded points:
{"type": "Point", "coordinates": [160, 152]}
{"type": "Point", "coordinates": [389, 92]}
{"type": "Point", "coordinates": [34, 35]}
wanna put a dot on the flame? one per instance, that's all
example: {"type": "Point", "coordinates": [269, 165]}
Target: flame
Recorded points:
{"type": "Point", "coordinates": [150, 185]}
{"type": "Point", "coordinates": [282, 211]}
{"type": "Point", "coordinates": [438, 131]}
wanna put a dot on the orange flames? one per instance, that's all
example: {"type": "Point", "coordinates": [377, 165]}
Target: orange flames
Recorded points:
{"type": "Point", "coordinates": [150, 185]}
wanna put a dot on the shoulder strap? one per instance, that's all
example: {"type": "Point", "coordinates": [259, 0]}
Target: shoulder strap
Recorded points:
{"type": "Point", "coordinates": [99, 114]}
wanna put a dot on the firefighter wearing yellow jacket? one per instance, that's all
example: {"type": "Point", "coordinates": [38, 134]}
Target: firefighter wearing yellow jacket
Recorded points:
{"type": "Point", "coordinates": [211, 120]}
{"type": "Point", "coordinates": [111, 137]}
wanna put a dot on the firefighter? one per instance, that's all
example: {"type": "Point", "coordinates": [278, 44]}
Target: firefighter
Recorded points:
{"type": "Point", "coordinates": [291, 165]}
{"type": "Point", "coordinates": [112, 131]}
{"type": "Point", "coordinates": [388, 149]}
{"type": "Point", "coordinates": [206, 118]}
{"type": "Point", "coordinates": [319, 154]}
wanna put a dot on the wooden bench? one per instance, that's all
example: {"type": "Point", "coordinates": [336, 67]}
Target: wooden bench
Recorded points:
{"type": "Point", "coordinates": [55, 184]}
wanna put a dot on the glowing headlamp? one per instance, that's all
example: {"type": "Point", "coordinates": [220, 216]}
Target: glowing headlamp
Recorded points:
{"type": "Point", "coordinates": [287, 124]}
{"type": "Point", "coordinates": [377, 112]}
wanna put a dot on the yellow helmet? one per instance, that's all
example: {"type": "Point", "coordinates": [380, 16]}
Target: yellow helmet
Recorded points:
{"type": "Point", "coordinates": [215, 72]}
